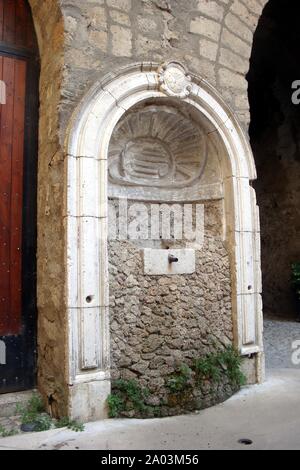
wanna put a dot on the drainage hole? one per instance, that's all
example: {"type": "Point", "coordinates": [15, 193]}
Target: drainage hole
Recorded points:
{"type": "Point", "coordinates": [245, 442]}
{"type": "Point", "coordinates": [89, 299]}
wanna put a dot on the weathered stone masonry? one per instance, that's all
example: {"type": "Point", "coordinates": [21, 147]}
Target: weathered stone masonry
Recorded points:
{"type": "Point", "coordinates": [80, 42]}
{"type": "Point", "coordinates": [159, 323]}
{"type": "Point", "coordinates": [213, 38]}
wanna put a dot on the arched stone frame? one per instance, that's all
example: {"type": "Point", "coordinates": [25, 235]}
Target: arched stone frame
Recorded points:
{"type": "Point", "coordinates": [87, 219]}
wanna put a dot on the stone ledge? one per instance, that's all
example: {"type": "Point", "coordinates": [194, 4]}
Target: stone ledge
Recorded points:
{"type": "Point", "coordinates": [9, 401]}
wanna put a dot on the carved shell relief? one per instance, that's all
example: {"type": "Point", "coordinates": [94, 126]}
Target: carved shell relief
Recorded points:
{"type": "Point", "coordinates": [158, 147]}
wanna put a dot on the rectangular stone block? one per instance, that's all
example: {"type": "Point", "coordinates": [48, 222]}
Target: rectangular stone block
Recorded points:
{"type": "Point", "coordinates": [158, 262]}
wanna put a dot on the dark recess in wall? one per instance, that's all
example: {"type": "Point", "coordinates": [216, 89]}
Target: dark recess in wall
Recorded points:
{"type": "Point", "coordinates": [275, 139]}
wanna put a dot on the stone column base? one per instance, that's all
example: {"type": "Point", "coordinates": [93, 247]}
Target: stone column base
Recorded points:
{"type": "Point", "coordinates": [88, 401]}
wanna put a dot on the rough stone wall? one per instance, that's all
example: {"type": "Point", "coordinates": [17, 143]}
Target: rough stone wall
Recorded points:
{"type": "Point", "coordinates": [161, 322]}
{"type": "Point", "coordinates": [213, 37]}
{"type": "Point", "coordinates": [51, 272]}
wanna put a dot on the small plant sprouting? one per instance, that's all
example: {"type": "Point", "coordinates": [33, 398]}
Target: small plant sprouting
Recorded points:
{"type": "Point", "coordinates": [33, 413]}
{"type": "Point", "coordinates": [224, 363]}
{"type": "Point", "coordinates": [70, 424]}
{"type": "Point", "coordinates": [178, 382]}
{"type": "Point", "coordinates": [128, 396]}
{"type": "Point", "coordinates": [231, 360]}
{"type": "Point", "coordinates": [5, 433]}
{"type": "Point", "coordinates": [42, 422]}
{"type": "Point", "coordinates": [217, 368]}
{"type": "Point", "coordinates": [115, 405]}
{"type": "Point", "coordinates": [208, 368]}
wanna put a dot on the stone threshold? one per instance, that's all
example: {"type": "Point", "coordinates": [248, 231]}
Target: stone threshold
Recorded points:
{"type": "Point", "coordinates": [9, 401]}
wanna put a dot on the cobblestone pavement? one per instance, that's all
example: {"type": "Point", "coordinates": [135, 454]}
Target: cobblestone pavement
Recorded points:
{"type": "Point", "coordinates": [279, 337]}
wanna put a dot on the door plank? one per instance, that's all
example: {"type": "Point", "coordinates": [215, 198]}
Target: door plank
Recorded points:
{"type": "Point", "coordinates": [17, 197]}
{"type": "Point", "coordinates": [11, 195]}
{"type": "Point", "coordinates": [21, 24]}
{"type": "Point", "coordinates": [1, 19]}
{"type": "Point", "coordinates": [9, 30]}
{"type": "Point", "coordinates": [6, 136]}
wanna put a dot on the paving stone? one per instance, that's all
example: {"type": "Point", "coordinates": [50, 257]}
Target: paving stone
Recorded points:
{"type": "Point", "coordinates": [279, 337]}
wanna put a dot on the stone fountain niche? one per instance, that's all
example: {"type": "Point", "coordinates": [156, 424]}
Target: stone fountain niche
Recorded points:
{"type": "Point", "coordinates": [155, 143]}
{"type": "Point", "coordinates": [164, 158]}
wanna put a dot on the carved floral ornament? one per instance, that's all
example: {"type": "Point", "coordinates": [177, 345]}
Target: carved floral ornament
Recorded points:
{"type": "Point", "coordinates": [174, 80]}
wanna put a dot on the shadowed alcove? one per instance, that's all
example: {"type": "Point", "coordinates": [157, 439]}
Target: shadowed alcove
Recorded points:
{"type": "Point", "coordinates": [275, 139]}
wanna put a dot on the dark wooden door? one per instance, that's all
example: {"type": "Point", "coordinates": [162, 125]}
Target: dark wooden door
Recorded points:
{"type": "Point", "coordinates": [18, 162]}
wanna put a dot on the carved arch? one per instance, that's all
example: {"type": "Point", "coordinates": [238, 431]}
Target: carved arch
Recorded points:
{"type": "Point", "coordinates": [87, 211]}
